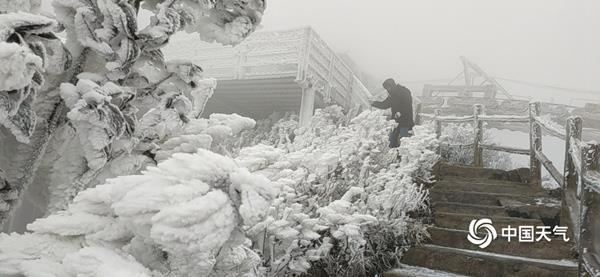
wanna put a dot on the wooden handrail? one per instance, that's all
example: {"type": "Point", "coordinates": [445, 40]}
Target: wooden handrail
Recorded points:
{"type": "Point", "coordinates": [504, 118]}
{"type": "Point", "coordinates": [470, 145]}
{"type": "Point", "coordinates": [547, 163]}
{"type": "Point", "coordinates": [580, 179]}
{"type": "Point", "coordinates": [456, 119]}
{"type": "Point", "coordinates": [512, 150]}
{"type": "Point", "coordinates": [552, 130]}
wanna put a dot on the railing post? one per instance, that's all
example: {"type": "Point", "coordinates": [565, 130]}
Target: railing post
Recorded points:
{"type": "Point", "coordinates": [573, 131]}
{"type": "Point", "coordinates": [585, 201]}
{"type": "Point", "coordinates": [478, 110]}
{"type": "Point", "coordinates": [576, 133]}
{"type": "Point", "coordinates": [307, 104]}
{"type": "Point", "coordinates": [569, 193]}
{"type": "Point", "coordinates": [535, 143]}
{"type": "Point", "coordinates": [594, 156]}
{"type": "Point", "coordinates": [589, 230]}
{"type": "Point", "coordinates": [568, 169]}
{"type": "Point", "coordinates": [418, 110]}
{"type": "Point", "coordinates": [438, 123]}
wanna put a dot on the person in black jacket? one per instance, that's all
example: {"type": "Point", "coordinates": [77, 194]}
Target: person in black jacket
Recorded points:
{"type": "Point", "coordinates": [400, 101]}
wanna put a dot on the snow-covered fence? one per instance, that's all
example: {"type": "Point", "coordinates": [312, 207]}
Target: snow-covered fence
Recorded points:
{"type": "Point", "coordinates": [478, 119]}
{"type": "Point", "coordinates": [581, 192]}
{"type": "Point", "coordinates": [580, 178]}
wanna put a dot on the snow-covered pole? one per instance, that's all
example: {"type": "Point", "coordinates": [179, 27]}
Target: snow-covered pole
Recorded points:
{"type": "Point", "coordinates": [581, 197]}
{"type": "Point", "coordinates": [571, 131]}
{"type": "Point", "coordinates": [568, 164]}
{"type": "Point", "coordinates": [307, 104]}
{"type": "Point", "coordinates": [535, 143]}
{"type": "Point", "coordinates": [574, 132]}
{"type": "Point", "coordinates": [569, 202]}
{"type": "Point", "coordinates": [586, 202]}
{"type": "Point", "coordinates": [590, 234]}
{"type": "Point", "coordinates": [478, 110]}
{"type": "Point", "coordinates": [438, 123]}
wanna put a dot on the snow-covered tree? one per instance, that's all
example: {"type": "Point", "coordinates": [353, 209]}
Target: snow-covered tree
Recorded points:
{"type": "Point", "coordinates": [340, 207]}
{"type": "Point", "coordinates": [87, 95]}
{"type": "Point", "coordinates": [138, 184]}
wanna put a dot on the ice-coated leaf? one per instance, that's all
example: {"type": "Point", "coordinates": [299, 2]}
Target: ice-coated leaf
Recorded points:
{"type": "Point", "coordinates": [23, 59]}
{"type": "Point", "coordinates": [98, 121]}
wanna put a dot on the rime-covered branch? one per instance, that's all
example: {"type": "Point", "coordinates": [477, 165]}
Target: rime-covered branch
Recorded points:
{"type": "Point", "coordinates": [118, 59]}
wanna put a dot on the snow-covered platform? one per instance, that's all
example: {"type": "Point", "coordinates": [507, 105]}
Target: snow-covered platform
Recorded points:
{"type": "Point", "coordinates": [293, 70]}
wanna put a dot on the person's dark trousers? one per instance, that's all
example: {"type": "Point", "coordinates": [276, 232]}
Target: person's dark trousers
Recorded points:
{"type": "Point", "coordinates": [396, 134]}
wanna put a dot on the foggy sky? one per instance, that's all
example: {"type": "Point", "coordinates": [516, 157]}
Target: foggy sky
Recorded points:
{"type": "Point", "coordinates": [555, 42]}
{"type": "Point", "coordinates": [550, 41]}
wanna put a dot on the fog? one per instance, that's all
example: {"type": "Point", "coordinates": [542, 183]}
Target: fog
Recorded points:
{"type": "Point", "coordinates": [543, 41]}
{"type": "Point", "coordinates": [550, 42]}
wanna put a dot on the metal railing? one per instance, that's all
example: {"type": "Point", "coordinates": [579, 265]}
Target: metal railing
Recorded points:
{"type": "Point", "coordinates": [579, 180]}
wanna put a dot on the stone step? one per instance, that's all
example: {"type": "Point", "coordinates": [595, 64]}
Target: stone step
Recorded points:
{"type": "Point", "coordinates": [520, 175]}
{"type": "Point", "coordinates": [415, 271]}
{"type": "Point", "coordinates": [484, 181]}
{"type": "Point", "coordinates": [465, 193]}
{"type": "Point", "coordinates": [475, 179]}
{"type": "Point", "coordinates": [556, 249]}
{"type": "Point", "coordinates": [461, 221]}
{"type": "Point", "coordinates": [550, 215]}
{"type": "Point", "coordinates": [490, 187]}
{"type": "Point", "coordinates": [462, 208]}
{"type": "Point", "coordinates": [481, 198]}
{"type": "Point", "coordinates": [478, 263]}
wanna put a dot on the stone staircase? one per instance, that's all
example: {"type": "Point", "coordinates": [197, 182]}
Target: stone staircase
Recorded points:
{"type": "Point", "coordinates": [465, 193]}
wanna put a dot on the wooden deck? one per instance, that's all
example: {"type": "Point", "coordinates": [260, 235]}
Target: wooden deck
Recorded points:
{"type": "Point", "coordinates": [292, 70]}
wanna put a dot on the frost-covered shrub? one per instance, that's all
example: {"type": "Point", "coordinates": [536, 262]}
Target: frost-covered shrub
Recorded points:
{"type": "Point", "coordinates": [102, 101]}
{"type": "Point", "coordinates": [345, 201]}
{"type": "Point", "coordinates": [276, 130]}
{"type": "Point", "coordinates": [182, 218]}
{"type": "Point", "coordinates": [268, 212]}
{"type": "Point", "coordinates": [455, 134]}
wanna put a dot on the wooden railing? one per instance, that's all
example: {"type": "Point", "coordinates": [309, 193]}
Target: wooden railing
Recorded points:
{"type": "Point", "coordinates": [579, 179]}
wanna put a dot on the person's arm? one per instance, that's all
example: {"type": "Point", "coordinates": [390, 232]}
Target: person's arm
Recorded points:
{"type": "Point", "coordinates": [385, 104]}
